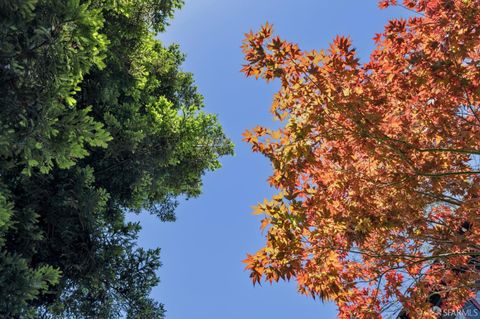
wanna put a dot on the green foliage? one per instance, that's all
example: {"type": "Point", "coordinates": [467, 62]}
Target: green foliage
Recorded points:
{"type": "Point", "coordinates": [46, 49]}
{"type": "Point", "coordinates": [97, 120]}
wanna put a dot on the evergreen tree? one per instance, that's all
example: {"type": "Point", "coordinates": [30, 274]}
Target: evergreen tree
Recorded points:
{"type": "Point", "coordinates": [97, 121]}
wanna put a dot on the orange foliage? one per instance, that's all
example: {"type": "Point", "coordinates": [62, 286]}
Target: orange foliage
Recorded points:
{"type": "Point", "coordinates": [376, 164]}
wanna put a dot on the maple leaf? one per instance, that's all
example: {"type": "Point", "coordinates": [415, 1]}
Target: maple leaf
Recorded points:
{"type": "Point", "coordinates": [376, 163]}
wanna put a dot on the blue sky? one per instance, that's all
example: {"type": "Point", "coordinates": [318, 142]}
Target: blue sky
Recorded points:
{"type": "Point", "coordinates": [203, 276]}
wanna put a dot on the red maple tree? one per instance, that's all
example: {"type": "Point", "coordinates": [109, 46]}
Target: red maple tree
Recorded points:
{"type": "Point", "coordinates": [376, 164]}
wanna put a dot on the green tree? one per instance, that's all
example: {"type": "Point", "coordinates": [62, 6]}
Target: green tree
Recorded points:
{"type": "Point", "coordinates": [97, 121]}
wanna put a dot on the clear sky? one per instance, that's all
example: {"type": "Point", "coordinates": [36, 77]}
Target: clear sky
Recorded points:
{"type": "Point", "coordinates": [203, 276]}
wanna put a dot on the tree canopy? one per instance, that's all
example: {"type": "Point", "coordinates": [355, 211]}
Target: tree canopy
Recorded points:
{"type": "Point", "coordinates": [376, 164]}
{"type": "Point", "coordinates": [97, 120]}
